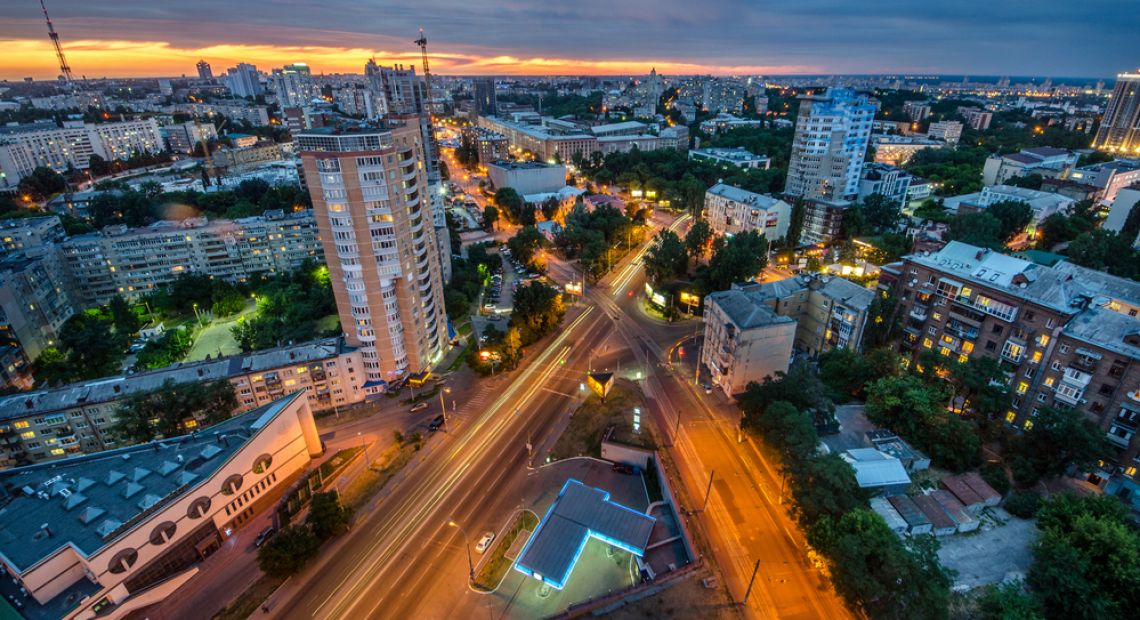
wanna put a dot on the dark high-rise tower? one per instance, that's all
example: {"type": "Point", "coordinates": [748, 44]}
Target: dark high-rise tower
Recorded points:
{"type": "Point", "coordinates": [485, 101]}
{"type": "Point", "coordinates": [1120, 130]}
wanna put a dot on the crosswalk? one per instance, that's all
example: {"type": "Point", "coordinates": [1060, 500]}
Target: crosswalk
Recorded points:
{"type": "Point", "coordinates": [478, 400]}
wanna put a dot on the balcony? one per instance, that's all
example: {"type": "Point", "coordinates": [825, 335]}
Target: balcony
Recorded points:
{"type": "Point", "coordinates": [1120, 437]}
{"type": "Point", "coordinates": [1083, 364]}
{"type": "Point", "coordinates": [1077, 378]}
{"type": "Point", "coordinates": [1068, 394]}
{"type": "Point", "coordinates": [919, 313]}
{"type": "Point", "coordinates": [68, 441]}
{"type": "Point", "coordinates": [960, 330]}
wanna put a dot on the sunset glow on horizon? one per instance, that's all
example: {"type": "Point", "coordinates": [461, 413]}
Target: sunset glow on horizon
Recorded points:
{"type": "Point", "coordinates": [118, 58]}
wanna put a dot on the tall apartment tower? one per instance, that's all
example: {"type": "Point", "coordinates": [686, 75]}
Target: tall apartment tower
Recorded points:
{"type": "Point", "coordinates": [204, 70]}
{"type": "Point", "coordinates": [1120, 130]}
{"type": "Point", "coordinates": [485, 100]}
{"type": "Point", "coordinates": [244, 81]}
{"type": "Point", "coordinates": [293, 85]}
{"type": "Point", "coordinates": [832, 133]}
{"type": "Point", "coordinates": [370, 193]}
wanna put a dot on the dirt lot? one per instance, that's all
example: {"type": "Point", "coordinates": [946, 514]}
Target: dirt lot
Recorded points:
{"type": "Point", "coordinates": [995, 552]}
{"type": "Point", "coordinates": [687, 599]}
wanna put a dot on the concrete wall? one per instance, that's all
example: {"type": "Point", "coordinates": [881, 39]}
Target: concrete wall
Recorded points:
{"type": "Point", "coordinates": [629, 455]}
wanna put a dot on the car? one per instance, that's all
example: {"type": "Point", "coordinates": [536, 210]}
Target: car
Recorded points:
{"type": "Point", "coordinates": [263, 536]}
{"type": "Point", "coordinates": [484, 542]}
{"type": "Point", "coordinates": [707, 387]}
{"type": "Point", "coordinates": [419, 407]}
{"type": "Point", "coordinates": [435, 424]}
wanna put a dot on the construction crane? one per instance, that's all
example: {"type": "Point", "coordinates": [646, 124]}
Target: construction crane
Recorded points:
{"type": "Point", "coordinates": [422, 42]}
{"type": "Point", "coordinates": [64, 68]}
{"type": "Point", "coordinates": [209, 170]}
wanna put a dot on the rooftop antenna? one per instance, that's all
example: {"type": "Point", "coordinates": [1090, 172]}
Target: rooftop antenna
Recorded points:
{"type": "Point", "coordinates": [64, 68]}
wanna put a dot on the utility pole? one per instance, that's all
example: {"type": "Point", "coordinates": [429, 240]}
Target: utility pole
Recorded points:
{"type": "Point", "coordinates": [708, 490]}
{"type": "Point", "coordinates": [748, 592]}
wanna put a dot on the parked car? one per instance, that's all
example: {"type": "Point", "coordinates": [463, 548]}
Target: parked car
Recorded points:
{"type": "Point", "coordinates": [707, 387]}
{"type": "Point", "coordinates": [263, 536]}
{"type": "Point", "coordinates": [484, 542]}
{"type": "Point", "coordinates": [419, 407]}
{"type": "Point", "coordinates": [435, 424]}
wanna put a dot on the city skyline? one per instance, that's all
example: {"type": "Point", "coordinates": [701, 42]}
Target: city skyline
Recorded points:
{"type": "Point", "coordinates": [724, 37]}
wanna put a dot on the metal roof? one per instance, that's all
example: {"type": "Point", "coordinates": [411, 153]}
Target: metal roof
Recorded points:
{"type": "Point", "coordinates": [578, 513]}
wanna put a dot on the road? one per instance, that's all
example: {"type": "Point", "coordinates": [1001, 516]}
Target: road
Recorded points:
{"type": "Point", "coordinates": [401, 560]}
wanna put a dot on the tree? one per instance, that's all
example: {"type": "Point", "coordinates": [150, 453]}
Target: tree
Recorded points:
{"type": "Point", "coordinates": [1028, 181]}
{"type": "Point", "coordinates": [98, 166]}
{"type": "Point", "coordinates": [915, 410]}
{"type": "Point", "coordinates": [326, 516]}
{"type": "Point", "coordinates": [826, 487]}
{"type": "Point", "coordinates": [173, 409]}
{"type": "Point", "coordinates": [1105, 250]}
{"type": "Point", "coordinates": [795, 223]}
{"type": "Point", "coordinates": [844, 372]}
{"type": "Point", "coordinates": [1013, 215]}
{"type": "Point", "coordinates": [737, 260]}
{"type": "Point", "coordinates": [511, 347]}
{"type": "Point", "coordinates": [878, 573]}
{"type": "Point", "coordinates": [538, 311]}
{"type": "Point", "coordinates": [980, 384]}
{"type": "Point", "coordinates": [123, 318]}
{"type": "Point", "coordinates": [666, 258]}
{"type": "Point", "coordinates": [525, 244]}
{"type": "Point", "coordinates": [1131, 227]}
{"type": "Point", "coordinates": [511, 203]}
{"type": "Point", "coordinates": [42, 183]}
{"type": "Point", "coordinates": [92, 347]}
{"type": "Point", "coordinates": [490, 216]}
{"type": "Point", "coordinates": [1086, 564]}
{"type": "Point", "coordinates": [286, 552]}
{"type": "Point", "coordinates": [550, 208]}
{"type": "Point", "coordinates": [1009, 601]}
{"type": "Point", "coordinates": [1061, 438]}
{"type": "Point", "coordinates": [799, 386]}
{"type": "Point", "coordinates": [980, 229]}
{"type": "Point", "coordinates": [697, 239]}
{"type": "Point", "coordinates": [881, 213]}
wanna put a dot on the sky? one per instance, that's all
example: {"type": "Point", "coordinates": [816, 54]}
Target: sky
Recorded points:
{"type": "Point", "coordinates": [130, 38]}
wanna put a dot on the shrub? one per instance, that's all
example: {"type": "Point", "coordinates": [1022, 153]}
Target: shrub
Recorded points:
{"type": "Point", "coordinates": [1023, 504]}
{"type": "Point", "coordinates": [995, 476]}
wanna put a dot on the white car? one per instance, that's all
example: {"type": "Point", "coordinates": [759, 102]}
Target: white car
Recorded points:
{"type": "Point", "coordinates": [484, 541]}
{"type": "Point", "coordinates": [419, 407]}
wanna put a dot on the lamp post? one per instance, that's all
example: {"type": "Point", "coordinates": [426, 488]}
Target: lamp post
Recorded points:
{"type": "Point", "coordinates": [443, 408]}
{"type": "Point", "coordinates": [364, 446]}
{"type": "Point", "coordinates": [467, 546]}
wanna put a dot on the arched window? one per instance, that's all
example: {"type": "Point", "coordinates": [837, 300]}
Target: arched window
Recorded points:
{"type": "Point", "coordinates": [123, 560]}
{"type": "Point", "coordinates": [261, 465]}
{"type": "Point", "coordinates": [198, 508]}
{"type": "Point", "coordinates": [232, 484]}
{"type": "Point", "coordinates": [162, 533]}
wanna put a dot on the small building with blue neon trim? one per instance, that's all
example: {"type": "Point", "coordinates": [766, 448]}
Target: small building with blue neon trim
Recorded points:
{"type": "Point", "coordinates": [578, 513]}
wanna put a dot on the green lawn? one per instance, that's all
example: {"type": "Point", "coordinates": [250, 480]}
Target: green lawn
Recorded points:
{"type": "Point", "coordinates": [492, 571]}
{"type": "Point", "coordinates": [583, 437]}
{"type": "Point", "coordinates": [216, 339]}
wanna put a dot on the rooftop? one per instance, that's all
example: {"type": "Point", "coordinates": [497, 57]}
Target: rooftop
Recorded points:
{"type": "Point", "coordinates": [833, 287]}
{"type": "Point", "coordinates": [89, 501]}
{"type": "Point", "coordinates": [578, 513]}
{"type": "Point", "coordinates": [746, 310]}
{"type": "Point", "coordinates": [1065, 287]}
{"type": "Point", "coordinates": [110, 389]}
{"type": "Point", "coordinates": [737, 154]}
{"type": "Point", "coordinates": [521, 165]}
{"type": "Point", "coordinates": [875, 469]}
{"type": "Point", "coordinates": [737, 194]}
{"type": "Point", "coordinates": [612, 127]}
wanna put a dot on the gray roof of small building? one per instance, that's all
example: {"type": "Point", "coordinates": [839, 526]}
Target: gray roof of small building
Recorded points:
{"type": "Point", "coordinates": [110, 389]}
{"type": "Point", "coordinates": [1106, 329]}
{"type": "Point", "coordinates": [874, 469]}
{"type": "Point", "coordinates": [578, 512]}
{"type": "Point", "coordinates": [85, 501]}
{"type": "Point", "coordinates": [837, 289]}
{"type": "Point", "coordinates": [737, 194]}
{"type": "Point", "coordinates": [746, 310]}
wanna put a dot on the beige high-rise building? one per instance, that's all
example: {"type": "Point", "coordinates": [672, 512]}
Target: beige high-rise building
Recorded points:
{"type": "Point", "coordinates": [369, 188]}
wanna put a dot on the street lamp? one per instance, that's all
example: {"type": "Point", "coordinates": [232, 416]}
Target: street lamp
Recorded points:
{"type": "Point", "coordinates": [467, 546]}
{"type": "Point", "coordinates": [443, 408]}
{"type": "Point", "coordinates": [363, 445]}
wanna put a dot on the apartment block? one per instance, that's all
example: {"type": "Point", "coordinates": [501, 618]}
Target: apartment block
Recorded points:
{"type": "Point", "coordinates": [527, 177]}
{"type": "Point", "coordinates": [78, 418]}
{"type": "Point", "coordinates": [731, 210]}
{"type": "Point", "coordinates": [1119, 130]}
{"type": "Point", "coordinates": [823, 220]}
{"type": "Point", "coordinates": [491, 146]}
{"type": "Point", "coordinates": [132, 261]}
{"type": "Point", "coordinates": [949, 132]}
{"type": "Point", "coordinates": [125, 528]}
{"type": "Point", "coordinates": [830, 312]}
{"type": "Point", "coordinates": [1108, 177]}
{"type": "Point", "coordinates": [1044, 160]}
{"type": "Point", "coordinates": [369, 188]}
{"type": "Point", "coordinates": [545, 142]}
{"type": "Point", "coordinates": [745, 340]}
{"type": "Point", "coordinates": [24, 148]}
{"type": "Point", "coordinates": [1066, 336]}
{"type": "Point", "coordinates": [830, 143]}
{"type": "Point", "coordinates": [886, 180]}
{"type": "Point", "coordinates": [185, 137]}
{"type": "Point", "coordinates": [976, 118]}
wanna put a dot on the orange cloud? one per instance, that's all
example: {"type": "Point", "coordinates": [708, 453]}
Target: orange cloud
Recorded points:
{"type": "Point", "coordinates": [120, 58]}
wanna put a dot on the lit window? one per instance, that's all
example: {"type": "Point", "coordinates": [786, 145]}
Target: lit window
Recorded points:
{"type": "Point", "coordinates": [963, 358]}
{"type": "Point", "coordinates": [1028, 424]}
{"type": "Point", "coordinates": [1043, 340]}
{"type": "Point", "coordinates": [967, 347]}
{"type": "Point", "coordinates": [57, 451]}
{"type": "Point", "coordinates": [1010, 416]}
{"type": "Point", "coordinates": [21, 424]}
{"type": "Point", "coordinates": [28, 434]}
{"type": "Point", "coordinates": [1036, 357]}
{"type": "Point", "coordinates": [302, 370]}
{"type": "Point", "coordinates": [927, 342]}
{"type": "Point", "coordinates": [1049, 381]}
{"type": "Point", "coordinates": [966, 292]}
{"type": "Point", "coordinates": [1022, 387]}
{"type": "Point", "coordinates": [944, 351]}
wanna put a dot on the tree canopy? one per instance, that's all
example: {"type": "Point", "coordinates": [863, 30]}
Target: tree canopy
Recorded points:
{"type": "Point", "coordinates": [173, 409]}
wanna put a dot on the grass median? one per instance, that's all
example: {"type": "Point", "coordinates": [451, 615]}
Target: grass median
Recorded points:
{"type": "Point", "coordinates": [493, 570]}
